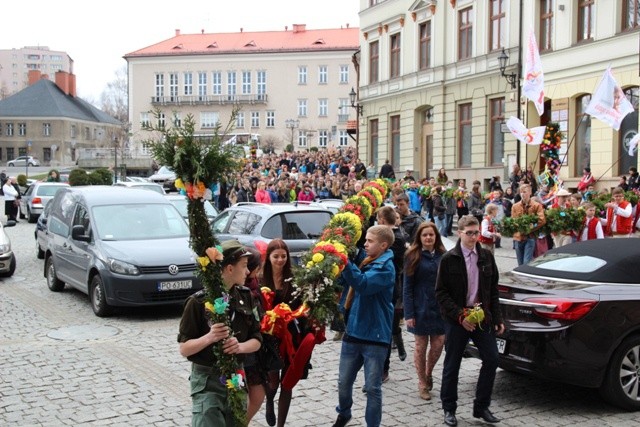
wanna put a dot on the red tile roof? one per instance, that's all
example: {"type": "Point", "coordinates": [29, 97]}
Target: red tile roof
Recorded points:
{"type": "Point", "coordinates": [298, 39]}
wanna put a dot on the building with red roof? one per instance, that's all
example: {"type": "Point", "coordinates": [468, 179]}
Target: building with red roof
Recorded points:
{"type": "Point", "coordinates": [292, 86]}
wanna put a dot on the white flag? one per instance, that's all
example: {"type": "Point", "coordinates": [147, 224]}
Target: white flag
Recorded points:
{"type": "Point", "coordinates": [533, 86]}
{"type": "Point", "coordinates": [609, 103]}
{"type": "Point", "coordinates": [531, 136]}
{"type": "Point", "coordinates": [633, 144]}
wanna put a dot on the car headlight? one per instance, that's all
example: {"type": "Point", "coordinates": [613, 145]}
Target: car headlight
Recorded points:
{"type": "Point", "coordinates": [5, 248]}
{"type": "Point", "coordinates": [122, 267]}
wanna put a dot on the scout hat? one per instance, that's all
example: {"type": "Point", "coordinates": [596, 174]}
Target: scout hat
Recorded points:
{"type": "Point", "coordinates": [232, 251]}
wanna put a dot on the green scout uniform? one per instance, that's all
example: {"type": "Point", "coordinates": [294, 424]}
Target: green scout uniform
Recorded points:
{"type": "Point", "coordinates": [208, 393]}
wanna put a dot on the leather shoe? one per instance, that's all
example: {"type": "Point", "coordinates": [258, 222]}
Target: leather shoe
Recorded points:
{"type": "Point", "coordinates": [450, 418]}
{"type": "Point", "coordinates": [486, 415]}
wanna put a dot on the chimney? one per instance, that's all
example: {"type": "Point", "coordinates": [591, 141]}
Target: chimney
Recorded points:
{"type": "Point", "coordinates": [177, 32]}
{"type": "Point", "coordinates": [33, 76]}
{"type": "Point", "coordinates": [72, 85]}
{"type": "Point", "coordinates": [299, 28]}
{"type": "Point", "coordinates": [62, 81]}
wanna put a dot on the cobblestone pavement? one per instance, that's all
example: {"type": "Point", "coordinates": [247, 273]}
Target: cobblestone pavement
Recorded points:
{"type": "Point", "coordinates": [126, 371]}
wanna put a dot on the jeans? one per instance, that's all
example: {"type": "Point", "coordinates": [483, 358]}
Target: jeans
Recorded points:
{"type": "Point", "coordinates": [354, 356]}
{"type": "Point", "coordinates": [524, 250]}
{"type": "Point", "coordinates": [456, 341]}
{"type": "Point", "coordinates": [449, 219]}
{"type": "Point", "coordinates": [441, 225]}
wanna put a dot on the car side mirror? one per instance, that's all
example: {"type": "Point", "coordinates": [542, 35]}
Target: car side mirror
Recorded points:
{"type": "Point", "coordinates": [77, 233]}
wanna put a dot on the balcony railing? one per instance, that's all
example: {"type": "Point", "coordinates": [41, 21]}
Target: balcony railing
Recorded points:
{"type": "Point", "coordinates": [255, 98]}
{"type": "Point", "coordinates": [343, 118]}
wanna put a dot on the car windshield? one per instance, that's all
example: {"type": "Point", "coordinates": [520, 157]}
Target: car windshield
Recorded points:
{"type": "Point", "coordinates": [164, 171]}
{"type": "Point", "coordinates": [181, 205]}
{"type": "Point", "coordinates": [570, 263]}
{"type": "Point", "coordinates": [48, 190]}
{"type": "Point", "coordinates": [139, 222]}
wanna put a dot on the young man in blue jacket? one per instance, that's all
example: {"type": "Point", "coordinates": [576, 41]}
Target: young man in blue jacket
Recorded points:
{"type": "Point", "coordinates": [368, 316]}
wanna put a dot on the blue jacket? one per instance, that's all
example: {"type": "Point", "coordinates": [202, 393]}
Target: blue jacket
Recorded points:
{"type": "Point", "coordinates": [414, 200]}
{"type": "Point", "coordinates": [371, 312]}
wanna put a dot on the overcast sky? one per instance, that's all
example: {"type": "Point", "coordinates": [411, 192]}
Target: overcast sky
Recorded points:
{"type": "Point", "coordinates": [96, 35]}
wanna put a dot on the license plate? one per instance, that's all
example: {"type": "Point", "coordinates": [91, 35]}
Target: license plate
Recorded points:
{"type": "Point", "coordinates": [175, 285]}
{"type": "Point", "coordinates": [502, 344]}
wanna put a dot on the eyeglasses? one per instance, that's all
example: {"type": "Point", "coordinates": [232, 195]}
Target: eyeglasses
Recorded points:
{"type": "Point", "coordinates": [472, 233]}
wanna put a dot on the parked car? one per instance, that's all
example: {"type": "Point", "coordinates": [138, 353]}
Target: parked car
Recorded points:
{"type": "Point", "coordinates": [333, 205]}
{"type": "Point", "coordinates": [37, 196]}
{"type": "Point", "coordinates": [7, 257]}
{"type": "Point", "coordinates": [180, 202]}
{"type": "Point", "coordinates": [141, 185]}
{"type": "Point", "coordinates": [573, 316]}
{"type": "Point", "coordinates": [41, 233]}
{"type": "Point", "coordinates": [103, 242]}
{"type": "Point", "coordinates": [165, 177]}
{"type": "Point", "coordinates": [256, 224]}
{"type": "Point", "coordinates": [23, 160]}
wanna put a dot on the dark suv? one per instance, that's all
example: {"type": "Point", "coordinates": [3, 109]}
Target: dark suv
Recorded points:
{"type": "Point", "coordinates": [122, 247]}
{"type": "Point", "coordinates": [256, 224]}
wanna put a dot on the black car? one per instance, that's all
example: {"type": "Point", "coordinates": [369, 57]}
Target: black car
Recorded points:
{"type": "Point", "coordinates": [256, 224]}
{"type": "Point", "coordinates": [573, 316]}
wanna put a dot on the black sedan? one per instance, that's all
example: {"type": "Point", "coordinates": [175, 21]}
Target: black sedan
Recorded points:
{"type": "Point", "coordinates": [573, 316]}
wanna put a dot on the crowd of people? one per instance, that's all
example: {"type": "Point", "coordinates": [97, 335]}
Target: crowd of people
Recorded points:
{"type": "Point", "coordinates": [401, 273]}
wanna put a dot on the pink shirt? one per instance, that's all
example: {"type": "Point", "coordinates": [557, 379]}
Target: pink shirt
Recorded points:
{"type": "Point", "coordinates": [473, 274]}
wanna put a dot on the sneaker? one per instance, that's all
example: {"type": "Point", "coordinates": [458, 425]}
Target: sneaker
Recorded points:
{"type": "Point", "coordinates": [341, 421]}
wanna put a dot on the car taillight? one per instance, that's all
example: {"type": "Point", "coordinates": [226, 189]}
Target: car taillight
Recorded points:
{"type": "Point", "coordinates": [261, 246]}
{"type": "Point", "coordinates": [560, 308]}
{"type": "Point", "coordinates": [36, 200]}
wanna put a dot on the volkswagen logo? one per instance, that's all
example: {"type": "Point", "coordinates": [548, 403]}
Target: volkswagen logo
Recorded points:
{"type": "Point", "coordinates": [173, 269]}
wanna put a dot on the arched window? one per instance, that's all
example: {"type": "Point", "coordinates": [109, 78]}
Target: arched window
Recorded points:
{"type": "Point", "coordinates": [628, 130]}
{"type": "Point", "coordinates": [583, 135]}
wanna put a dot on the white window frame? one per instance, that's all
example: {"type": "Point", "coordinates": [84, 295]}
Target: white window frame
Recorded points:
{"type": "Point", "coordinates": [261, 81]}
{"type": "Point", "coordinates": [246, 82]}
{"type": "Point", "coordinates": [240, 120]}
{"type": "Point", "coordinates": [302, 138]}
{"type": "Point", "coordinates": [343, 140]}
{"type": "Point", "coordinates": [302, 74]}
{"type": "Point", "coordinates": [323, 138]}
{"type": "Point", "coordinates": [323, 107]}
{"type": "Point", "coordinates": [271, 119]}
{"type": "Point", "coordinates": [344, 74]}
{"type": "Point", "coordinates": [144, 119]}
{"type": "Point", "coordinates": [216, 83]}
{"type": "Point", "coordinates": [209, 119]}
{"type": "Point", "coordinates": [255, 119]}
{"type": "Point", "coordinates": [231, 84]}
{"type": "Point", "coordinates": [173, 86]}
{"type": "Point", "coordinates": [188, 83]}
{"type": "Point", "coordinates": [159, 86]}
{"type": "Point", "coordinates": [202, 84]}
{"type": "Point", "coordinates": [46, 129]}
{"type": "Point", "coordinates": [302, 108]}
{"type": "Point", "coordinates": [323, 74]}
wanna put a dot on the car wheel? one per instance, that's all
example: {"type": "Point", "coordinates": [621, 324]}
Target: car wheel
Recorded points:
{"type": "Point", "coordinates": [99, 297]}
{"type": "Point", "coordinates": [12, 268]}
{"type": "Point", "coordinates": [31, 217]}
{"type": "Point", "coordinates": [621, 386]}
{"type": "Point", "coordinates": [54, 284]}
{"type": "Point", "coordinates": [10, 164]}
{"type": "Point", "coordinates": [39, 251]}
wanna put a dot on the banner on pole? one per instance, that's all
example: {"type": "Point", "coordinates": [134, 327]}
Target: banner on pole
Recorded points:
{"type": "Point", "coordinates": [609, 103]}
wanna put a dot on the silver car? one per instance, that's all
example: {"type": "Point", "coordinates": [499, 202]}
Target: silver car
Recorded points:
{"type": "Point", "coordinates": [141, 185]}
{"type": "Point", "coordinates": [7, 257]}
{"type": "Point", "coordinates": [37, 196]}
{"type": "Point", "coordinates": [23, 160]}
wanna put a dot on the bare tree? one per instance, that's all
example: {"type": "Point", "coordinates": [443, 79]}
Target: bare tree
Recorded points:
{"type": "Point", "coordinates": [113, 99]}
{"type": "Point", "coordinates": [269, 144]}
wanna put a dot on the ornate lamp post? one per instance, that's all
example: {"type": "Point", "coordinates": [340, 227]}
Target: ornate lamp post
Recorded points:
{"type": "Point", "coordinates": [293, 125]}
{"type": "Point", "coordinates": [514, 81]}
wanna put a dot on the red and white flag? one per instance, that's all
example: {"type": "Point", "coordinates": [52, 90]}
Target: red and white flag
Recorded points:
{"type": "Point", "coordinates": [609, 103]}
{"type": "Point", "coordinates": [533, 86]}
{"type": "Point", "coordinates": [533, 136]}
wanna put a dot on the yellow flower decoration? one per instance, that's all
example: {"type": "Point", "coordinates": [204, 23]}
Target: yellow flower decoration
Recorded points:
{"type": "Point", "coordinates": [179, 184]}
{"type": "Point", "coordinates": [310, 264]}
{"type": "Point", "coordinates": [317, 258]}
{"type": "Point", "coordinates": [208, 306]}
{"type": "Point", "coordinates": [204, 262]}
{"type": "Point", "coordinates": [335, 270]}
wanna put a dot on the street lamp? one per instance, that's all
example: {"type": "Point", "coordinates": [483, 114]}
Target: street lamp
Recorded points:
{"type": "Point", "coordinates": [511, 78]}
{"type": "Point", "coordinates": [115, 151]}
{"type": "Point", "coordinates": [352, 98]}
{"type": "Point", "coordinates": [293, 125]}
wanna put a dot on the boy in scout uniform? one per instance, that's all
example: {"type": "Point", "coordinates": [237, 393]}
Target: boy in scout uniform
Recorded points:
{"type": "Point", "coordinates": [197, 336]}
